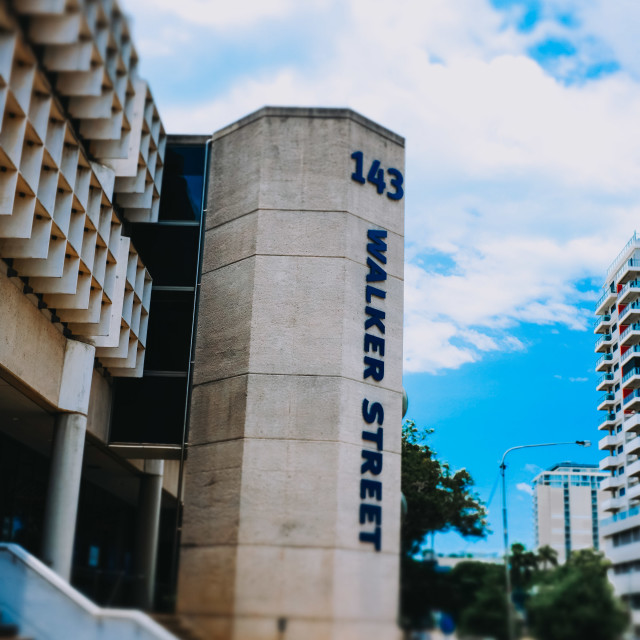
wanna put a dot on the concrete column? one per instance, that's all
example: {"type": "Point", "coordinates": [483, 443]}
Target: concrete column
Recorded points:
{"type": "Point", "coordinates": [64, 489]}
{"type": "Point", "coordinates": [148, 526]}
{"type": "Point", "coordinates": [291, 523]}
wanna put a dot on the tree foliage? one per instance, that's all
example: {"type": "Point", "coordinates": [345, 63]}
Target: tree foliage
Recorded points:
{"type": "Point", "coordinates": [576, 601]}
{"type": "Point", "coordinates": [438, 499]}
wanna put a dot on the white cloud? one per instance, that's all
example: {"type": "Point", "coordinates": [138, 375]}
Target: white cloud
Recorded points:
{"type": "Point", "coordinates": [522, 186]}
{"type": "Point", "coordinates": [220, 15]}
{"type": "Point", "coordinates": [532, 468]}
{"type": "Point", "coordinates": [525, 488]}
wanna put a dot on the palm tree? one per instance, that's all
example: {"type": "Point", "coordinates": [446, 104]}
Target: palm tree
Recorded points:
{"type": "Point", "coordinates": [523, 565]}
{"type": "Point", "coordinates": [547, 557]}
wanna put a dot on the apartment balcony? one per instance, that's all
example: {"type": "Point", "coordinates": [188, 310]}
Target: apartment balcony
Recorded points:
{"type": "Point", "coordinates": [603, 343]}
{"type": "Point", "coordinates": [626, 582]}
{"type": "Point", "coordinates": [630, 314]}
{"type": "Point", "coordinates": [612, 483]}
{"type": "Point", "coordinates": [632, 401]}
{"type": "Point", "coordinates": [602, 324]}
{"type": "Point", "coordinates": [605, 301]}
{"type": "Point", "coordinates": [608, 463]}
{"type": "Point", "coordinates": [607, 402]}
{"type": "Point", "coordinates": [628, 271]}
{"type": "Point", "coordinates": [630, 353]}
{"type": "Point", "coordinates": [613, 504]}
{"type": "Point", "coordinates": [604, 362]}
{"type": "Point", "coordinates": [630, 292]}
{"type": "Point", "coordinates": [631, 335]}
{"type": "Point", "coordinates": [608, 442]}
{"type": "Point", "coordinates": [632, 424]}
{"type": "Point", "coordinates": [632, 446]}
{"type": "Point", "coordinates": [633, 469]}
{"type": "Point", "coordinates": [633, 492]}
{"type": "Point", "coordinates": [605, 381]}
{"type": "Point", "coordinates": [631, 379]}
{"type": "Point", "coordinates": [608, 422]}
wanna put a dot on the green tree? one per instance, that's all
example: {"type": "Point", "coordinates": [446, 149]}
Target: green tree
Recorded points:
{"type": "Point", "coordinates": [547, 557]}
{"type": "Point", "coordinates": [479, 599]}
{"type": "Point", "coordinates": [576, 601]}
{"type": "Point", "coordinates": [438, 499]}
{"type": "Point", "coordinates": [524, 565]}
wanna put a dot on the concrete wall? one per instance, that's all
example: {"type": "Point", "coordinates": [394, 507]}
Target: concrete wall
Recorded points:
{"type": "Point", "coordinates": [273, 545]}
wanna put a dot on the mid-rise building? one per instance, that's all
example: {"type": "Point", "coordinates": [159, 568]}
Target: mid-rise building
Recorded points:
{"type": "Point", "coordinates": [566, 507]}
{"type": "Point", "coordinates": [617, 326]}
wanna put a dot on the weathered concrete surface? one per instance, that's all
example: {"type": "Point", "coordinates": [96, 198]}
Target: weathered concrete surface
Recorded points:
{"type": "Point", "coordinates": [271, 544]}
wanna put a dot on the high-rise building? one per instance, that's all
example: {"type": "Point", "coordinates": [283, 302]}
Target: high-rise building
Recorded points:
{"type": "Point", "coordinates": [618, 328]}
{"type": "Point", "coordinates": [200, 352]}
{"type": "Point", "coordinates": [565, 505]}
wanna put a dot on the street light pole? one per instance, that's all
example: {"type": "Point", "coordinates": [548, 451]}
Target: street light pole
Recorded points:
{"type": "Point", "coordinates": [511, 630]}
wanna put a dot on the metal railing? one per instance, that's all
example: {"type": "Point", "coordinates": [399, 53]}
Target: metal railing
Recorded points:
{"type": "Point", "coordinates": [605, 377]}
{"type": "Point", "coordinates": [607, 337]}
{"type": "Point", "coordinates": [631, 327]}
{"type": "Point", "coordinates": [634, 394]}
{"type": "Point", "coordinates": [600, 319]}
{"type": "Point", "coordinates": [632, 372]}
{"type": "Point", "coordinates": [606, 356]}
{"type": "Point", "coordinates": [634, 240]}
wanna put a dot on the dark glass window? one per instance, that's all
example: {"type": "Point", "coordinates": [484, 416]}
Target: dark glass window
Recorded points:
{"type": "Point", "coordinates": [149, 409]}
{"type": "Point", "coordinates": [169, 333]}
{"type": "Point", "coordinates": [169, 252]}
{"type": "Point", "coordinates": [182, 182]}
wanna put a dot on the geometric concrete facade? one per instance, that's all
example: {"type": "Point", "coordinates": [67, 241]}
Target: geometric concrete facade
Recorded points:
{"type": "Point", "coordinates": [292, 482]}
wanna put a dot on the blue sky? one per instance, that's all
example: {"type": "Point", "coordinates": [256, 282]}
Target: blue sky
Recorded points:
{"type": "Point", "coordinates": [523, 183]}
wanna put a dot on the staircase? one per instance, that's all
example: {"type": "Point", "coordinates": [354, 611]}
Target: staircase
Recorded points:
{"type": "Point", "coordinates": [176, 625]}
{"type": "Point", "coordinates": [37, 602]}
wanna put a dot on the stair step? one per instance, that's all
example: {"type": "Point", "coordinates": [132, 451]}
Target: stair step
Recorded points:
{"type": "Point", "coordinates": [174, 624]}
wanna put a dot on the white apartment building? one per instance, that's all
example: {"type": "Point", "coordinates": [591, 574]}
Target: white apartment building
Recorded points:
{"type": "Point", "coordinates": [566, 509]}
{"type": "Point", "coordinates": [618, 328]}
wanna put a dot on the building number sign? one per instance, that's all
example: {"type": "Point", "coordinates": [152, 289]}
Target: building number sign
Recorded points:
{"type": "Point", "coordinates": [376, 177]}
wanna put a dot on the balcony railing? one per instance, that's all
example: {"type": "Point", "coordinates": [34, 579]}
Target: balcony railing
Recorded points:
{"type": "Point", "coordinates": [609, 293]}
{"type": "Point", "coordinates": [610, 417]}
{"type": "Point", "coordinates": [633, 446]}
{"type": "Point", "coordinates": [603, 340]}
{"type": "Point", "coordinates": [607, 357]}
{"type": "Point", "coordinates": [609, 462]}
{"type": "Point", "coordinates": [632, 396]}
{"type": "Point", "coordinates": [608, 442]}
{"type": "Point", "coordinates": [631, 264]}
{"type": "Point", "coordinates": [628, 308]}
{"type": "Point", "coordinates": [634, 284]}
{"type": "Point", "coordinates": [601, 320]}
{"type": "Point", "coordinates": [611, 483]}
{"type": "Point", "coordinates": [621, 515]}
{"type": "Point", "coordinates": [632, 372]}
{"type": "Point", "coordinates": [606, 377]}
{"type": "Point", "coordinates": [634, 241]}
{"type": "Point", "coordinates": [631, 327]}
{"type": "Point", "coordinates": [630, 352]}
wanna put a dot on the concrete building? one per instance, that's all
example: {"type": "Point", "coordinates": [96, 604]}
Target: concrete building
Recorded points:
{"type": "Point", "coordinates": [200, 346]}
{"type": "Point", "coordinates": [618, 343]}
{"type": "Point", "coordinates": [566, 507]}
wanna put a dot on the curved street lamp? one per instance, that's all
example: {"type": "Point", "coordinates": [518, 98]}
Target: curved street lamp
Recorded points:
{"type": "Point", "coordinates": [510, 618]}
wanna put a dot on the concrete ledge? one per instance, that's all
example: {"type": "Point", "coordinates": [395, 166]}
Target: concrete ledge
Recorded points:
{"type": "Point", "coordinates": [310, 112]}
